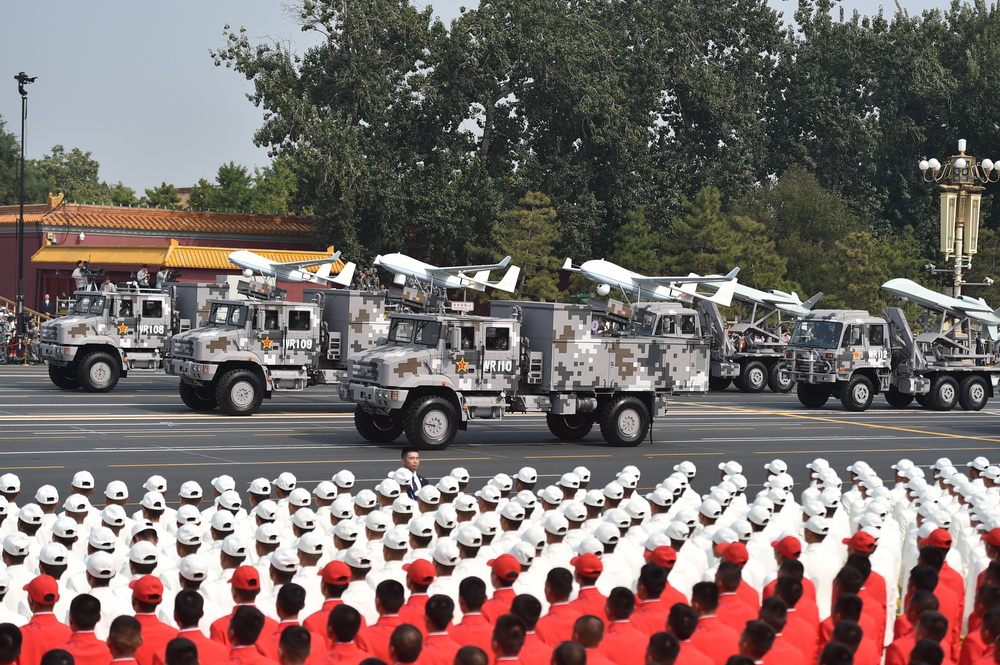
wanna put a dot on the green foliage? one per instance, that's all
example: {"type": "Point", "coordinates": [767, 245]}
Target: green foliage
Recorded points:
{"type": "Point", "coordinates": [120, 195]}
{"type": "Point", "coordinates": [74, 173]}
{"type": "Point", "coordinates": [268, 191]}
{"type": "Point", "coordinates": [863, 263]}
{"type": "Point", "coordinates": [164, 196]}
{"type": "Point", "coordinates": [529, 236]}
{"type": "Point", "coordinates": [638, 245]}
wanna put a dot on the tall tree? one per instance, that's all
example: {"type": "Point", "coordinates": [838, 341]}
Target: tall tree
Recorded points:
{"type": "Point", "coordinates": [74, 173]}
{"type": "Point", "coordinates": [164, 196]}
{"type": "Point", "coordinates": [529, 237]}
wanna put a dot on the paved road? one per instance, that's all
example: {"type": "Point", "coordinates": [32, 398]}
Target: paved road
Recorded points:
{"type": "Point", "coordinates": [142, 428]}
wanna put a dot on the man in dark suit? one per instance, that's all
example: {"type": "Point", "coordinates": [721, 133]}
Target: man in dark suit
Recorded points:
{"type": "Point", "coordinates": [410, 459]}
{"type": "Point", "coordinates": [47, 306]}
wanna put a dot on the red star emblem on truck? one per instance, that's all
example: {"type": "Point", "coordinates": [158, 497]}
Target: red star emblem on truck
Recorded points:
{"type": "Point", "coordinates": [266, 342]}
{"type": "Point", "coordinates": [857, 355]}
{"type": "Point", "coordinates": [462, 365]}
{"type": "Point", "coordinates": [122, 329]}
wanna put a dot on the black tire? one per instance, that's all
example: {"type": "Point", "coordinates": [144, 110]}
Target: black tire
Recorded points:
{"type": "Point", "coordinates": [923, 400]}
{"type": "Point", "coordinates": [98, 372]}
{"type": "Point", "coordinates": [779, 380]}
{"type": "Point", "coordinates": [198, 398]}
{"type": "Point", "coordinates": [239, 392]}
{"type": "Point", "coordinates": [857, 395]}
{"type": "Point", "coordinates": [64, 377]}
{"type": "Point", "coordinates": [624, 422]}
{"type": "Point", "coordinates": [753, 377]}
{"type": "Point", "coordinates": [811, 396]}
{"type": "Point", "coordinates": [377, 428]}
{"type": "Point", "coordinates": [898, 399]}
{"type": "Point", "coordinates": [718, 383]}
{"type": "Point", "coordinates": [973, 393]}
{"type": "Point", "coordinates": [570, 428]}
{"type": "Point", "coordinates": [944, 393]}
{"type": "Point", "coordinates": [430, 423]}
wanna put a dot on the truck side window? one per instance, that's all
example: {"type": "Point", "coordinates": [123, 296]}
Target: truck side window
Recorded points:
{"type": "Point", "coordinates": [855, 336]}
{"type": "Point", "coordinates": [468, 337]}
{"type": "Point", "coordinates": [270, 320]}
{"type": "Point", "coordinates": [152, 309]}
{"type": "Point", "coordinates": [126, 308]}
{"type": "Point", "coordinates": [298, 320]}
{"type": "Point", "coordinates": [665, 326]}
{"type": "Point", "coordinates": [876, 336]}
{"type": "Point", "coordinates": [687, 325]}
{"type": "Point", "coordinates": [497, 339]}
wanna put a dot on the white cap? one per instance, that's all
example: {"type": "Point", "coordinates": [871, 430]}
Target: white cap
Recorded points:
{"type": "Point", "coordinates": [527, 499]}
{"type": "Point", "coordinates": [446, 552]}
{"type": "Point", "coordinates": [818, 464]}
{"type": "Point", "coordinates": [116, 489]}
{"type": "Point", "coordinates": [535, 536]}
{"type": "Point", "coordinates": [347, 530]}
{"type": "Point", "coordinates": [628, 480]}
{"type": "Point", "coordinates": [460, 474]}
{"type": "Point", "coordinates": [710, 508]}
{"type": "Point", "coordinates": [83, 480]}
{"type": "Point", "coordinates": [193, 568]}
{"type": "Point", "coordinates": [190, 490]}
{"type": "Point", "coordinates": [285, 481]}
{"type": "Point", "coordinates": [143, 552]}
{"type": "Point", "coordinates": [377, 521]}
{"type": "Point", "coordinates": [526, 474]}
{"type": "Point", "coordinates": [489, 494]}
{"type": "Point", "coordinates": [310, 543]}
{"type": "Point", "coordinates": [980, 463]}
{"type": "Point", "coordinates": [556, 524]}
{"type": "Point", "coordinates": [446, 516]}
{"type": "Point", "coordinates": [636, 509]}
{"type": "Point", "coordinates": [594, 498]}
{"type": "Point", "coordinates": [814, 509]}
{"type": "Point", "coordinates": [343, 479]}
{"type": "Point", "coordinates": [223, 483]}
{"type": "Point", "coordinates": [614, 490]}
{"type": "Point", "coordinates": [469, 536]}
{"type": "Point", "coordinates": [607, 533]}
{"type": "Point", "coordinates": [512, 511]}
{"type": "Point", "coordinates": [569, 481]}
{"type": "Point", "coordinates": [230, 500]}
{"type": "Point", "coordinates": [153, 500]}
{"type": "Point", "coordinates": [223, 521]}
{"type": "Point", "coordinates": [677, 531]}
{"type": "Point", "coordinates": [447, 485]}
{"type": "Point", "coordinates": [74, 503]}
{"type": "Point", "coordinates": [429, 494]}
{"type": "Point", "coordinates": [618, 517]}
{"type": "Point", "coordinates": [488, 524]}
{"type": "Point", "coordinates": [404, 505]}
{"type": "Point", "coordinates": [363, 499]}
{"type": "Point", "coordinates": [260, 486]}
{"type": "Point", "coordinates": [402, 475]}
{"type": "Point", "coordinates": [267, 534]}
{"type": "Point", "coordinates": [54, 554]}
{"type": "Point", "coordinates": [342, 507]}
{"type": "Point", "coordinates": [759, 515]}
{"type": "Point", "coordinates": [47, 495]}
{"type": "Point", "coordinates": [141, 526]}
{"type": "Point", "coordinates": [776, 466]}
{"type": "Point", "coordinates": [65, 527]}
{"type": "Point", "coordinates": [10, 483]}
{"type": "Point", "coordinates": [102, 538]}
{"type": "Point", "coordinates": [574, 511]}
{"type": "Point", "coordinates": [155, 484]}
{"type": "Point", "coordinates": [305, 518]}
{"type": "Point", "coordinates": [300, 497]}
{"type": "Point", "coordinates": [397, 538]}
{"type": "Point", "coordinates": [100, 565]}
{"type": "Point", "coordinates": [189, 534]}
{"type": "Point", "coordinates": [782, 481]}
{"type": "Point", "coordinates": [388, 488]}
{"type": "Point", "coordinates": [285, 559]}
{"type": "Point", "coordinates": [687, 468]}
{"type": "Point", "coordinates": [234, 546]}
{"type": "Point", "coordinates": [325, 491]}
{"type": "Point", "coordinates": [724, 536]}
{"type": "Point", "coordinates": [583, 473]}
{"type": "Point", "coordinates": [357, 557]}
{"type": "Point", "coordinates": [422, 526]}
{"type": "Point", "coordinates": [742, 528]}
{"type": "Point", "coordinates": [465, 503]}
{"type": "Point", "coordinates": [902, 465]}
{"type": "Point", "coordinates": [731, 468]}
{"type": "Point", "coordinates": [551, 494]}
{"type": "Point", "coordinates": [502, 482]}
{"type": "Point", "coordinates": [687, 516]}
{"type": "Point", "coordinates": [818, 525]}
{"type": "Point", "coordinates": [267, 510]}
{"type": "Point", "coordinates": [523, 552]}
{"type": "Point", "coordinates": [30, 514]}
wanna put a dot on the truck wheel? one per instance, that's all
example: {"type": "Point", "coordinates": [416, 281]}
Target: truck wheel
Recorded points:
{"type": "Point", "coordinates": [718, 383]}
{"type": "Point", "coordinates": [377, 428]}
{"type": "Point", "coordinates": [429, 423]}
{"type": "Point", "coordinates": [624, 422]}
{"type": "Point", "coordinates": [811, 396]}
{"type": "Point", "coordinates": [239, 393]}
{"type": "Point", "coordinates": [64, 377]}
{"type": "Point", "coordinates": [857, 395]}
{"type": "Point", "coordinates": [944, 393]}
{"type": "Point", "coordinates": [98, 372]}
{"type": "Point", "coordinates": [570, 428]}
{"type": "Point", "coordinates": [753, 377]}
{"type": "Point", "coordinates": [778, 379]}
{"type": "Point", "coordinates": [898, 399]}
{"type": "Point", "coordinates": [973, 394]}
{"type": "Point", "coordinates": [198, 398]}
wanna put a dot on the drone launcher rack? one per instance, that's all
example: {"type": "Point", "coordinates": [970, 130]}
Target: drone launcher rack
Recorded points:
{"type": "Point", "coordinates": [261, 291]}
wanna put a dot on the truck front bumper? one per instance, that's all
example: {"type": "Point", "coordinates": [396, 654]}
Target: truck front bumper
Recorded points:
{"type": "Point", "coordinates": [188, 369]}
{"type": "Point", "coordinates": [55, 354]}
{"type": "Point", "coordinates": [376, 398]}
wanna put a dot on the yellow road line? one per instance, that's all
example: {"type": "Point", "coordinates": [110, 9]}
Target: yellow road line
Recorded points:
{"type": "Point", "coordinates": [555, 456]}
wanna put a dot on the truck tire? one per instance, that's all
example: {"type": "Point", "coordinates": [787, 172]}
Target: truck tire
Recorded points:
{"type": "Point", "coordinates": [753, 377]}
{"type": "Point", "coordinates": [569, 428]}
{"type": "Point", "coordinates": [923, 400]}
{"type": "Point", "coordinates": [857, 395]}
{"type": "Point", "coordinates": [944, 393]}
{"type": "Point", "coordinates": [718, 383]}
{"type": "Point", "coordinates": [779, 380]}
{"type": "Point", "coordinates": [239, 393]}
{"type": "Point", "coordinates": [811, 396]}
{"type": "Point", "coordinates": [624, 422]}
{"type": "Point", "coordinates": [98, 372]}
{"type": "Point", "coordinates": [64, 377]}
{"type": "Point", "coordinates": [377, 428]}
{"type": "Point", "coordinates": [973, 393]}
{"type": "Point", "coordinates": [898, 399]}
{"type": "Point", "coordinates": [198, 398]}
{"type": "Point", "coordinates": [430, 423]}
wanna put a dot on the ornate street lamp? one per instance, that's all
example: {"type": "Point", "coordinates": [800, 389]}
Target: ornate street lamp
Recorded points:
{"type": "Point", "coordinates": [961, 181]}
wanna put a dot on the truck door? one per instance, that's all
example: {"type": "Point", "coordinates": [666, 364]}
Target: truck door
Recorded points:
{"type": "Point", "coordinates": [853, 345]}
{"type": "Point", "coordinates": [879, 354]}
{"type": "Point", "coordinates": [300, 336]}
{"type": "Point", "coordinates": [498, 369]}
{"type": "Point", "coordinates": [152, 323]}
{"type": "Point", "coordinates": [462, 355]}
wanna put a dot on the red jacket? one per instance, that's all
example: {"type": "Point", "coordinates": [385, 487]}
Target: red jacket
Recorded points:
{"type": "Point", "coordinates": [474, 630]}
{"type": "Point", "coordinates": [209, 651]}
{"type": "Point", "coordinates": [591, 601]}
{"type": "Point", "coordinates": [689, 655]}
{"type": "Point", "coordinates": [375, 640]}
{"type": "Point", "coordinates": [87, 649]}
{"type": "Point", "coordinates": [624, 644]}
{"type": "Point", "coordinates": [219, 630]}
{"type": "Point", "coordinates": [438, 649]}
{"type": "Point", "coordinates": [267, 644]}
{"type": "Point", "coordinates": [557, 626]}
{"type": "Point", "coordinates": [38, 636]}
{"type": "Point", "coordinates": [650, 616]}
{"type": "Point", "coordinates": [413, 611]}
{"type": "Point", "coordinates": [348, 653]}
{"type": "Point", "coordinates": [247, 655]}
{"type": "Point", "coordinates": [534, 650]}
{"type": "Point", "coordinates": [715, 639]}
{"type": "Point", "coordinates": [499, 604]}
{"type": "Point", "coordinates": [155, 635]}
{"type": "Point", "coordinates": [733, 612]}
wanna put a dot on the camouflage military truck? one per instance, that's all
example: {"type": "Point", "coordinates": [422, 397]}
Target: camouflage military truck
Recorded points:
{"type": "Point", "coordinates": [250, 349]}
{"type": "Point", "coordinates": [852, 355]}
{"type": "Point", "coordinates": [106, 335]}
{"type": "Point", "coordinates": [755, 353]}
{"type": "Point", "coordinates": [438, 372]}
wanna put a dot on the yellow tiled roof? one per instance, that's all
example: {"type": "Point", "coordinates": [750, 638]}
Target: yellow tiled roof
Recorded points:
{"type": "Point", "coordinates": [172, 255]}
{"type": "Point", "coordinates": [81, 216]}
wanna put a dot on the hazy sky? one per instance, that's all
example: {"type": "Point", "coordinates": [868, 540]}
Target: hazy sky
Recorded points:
{"type": "Point", "coordinates": [132, 82]}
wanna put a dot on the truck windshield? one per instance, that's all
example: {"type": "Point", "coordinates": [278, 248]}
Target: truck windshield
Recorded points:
{"type": "Point", "coordinates": [225, 314]}
{"type": "Point", "coordinates": [427, 333]}
{"type": "Point", "coordinates": [820, 334]}
{"type": "Point", "coordinates": [89, 305]}
{"type": "Point", "coordinates": [401, 331]}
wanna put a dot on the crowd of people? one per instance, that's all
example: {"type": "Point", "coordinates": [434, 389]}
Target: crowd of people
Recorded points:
{"type": "Point", "coordinates": [817, 569]}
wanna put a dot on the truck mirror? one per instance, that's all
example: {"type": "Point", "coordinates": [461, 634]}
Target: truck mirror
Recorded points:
{"type": "Point", "coordinates": [381, 341]}
{"type": "Point", "coordinates": [454, 338]}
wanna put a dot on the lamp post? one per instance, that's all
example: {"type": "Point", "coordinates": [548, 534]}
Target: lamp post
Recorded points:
{"type": "Point", "coordinates": [961, 181]}
{"type": "Point", "coordinates": [22, 80]}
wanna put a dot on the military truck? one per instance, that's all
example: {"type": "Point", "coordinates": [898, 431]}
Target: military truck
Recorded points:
{"type": "Point", "coordinates": [106, 335]}
{"type": "Point", "coordinates": [251, 348]}
{"type": "Point", "coordinates": [437, 372]}
{"type": "Point", "coordinates": [852, 355]}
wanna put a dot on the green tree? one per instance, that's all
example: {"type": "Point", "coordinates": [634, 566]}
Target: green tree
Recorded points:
{"type": "Point", "coordinates": [529, 237]}
{"type": "Point", "coordinates": [120, 195]}
{"type": "Point", "coordinates": [861, 263]}
{"type": "Point", "coordinates": [74, 173]}
{"type": "Point", "coordinates": [164, 196]}
{"type": "Point", "coordinates": [35, 186]}
{"type": "Point", "coordinates": [637, 246]}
